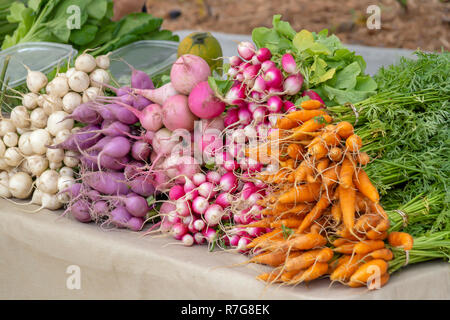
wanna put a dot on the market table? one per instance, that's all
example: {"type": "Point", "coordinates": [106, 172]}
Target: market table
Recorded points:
{"type": "Point", "coordinates": [37, 252]}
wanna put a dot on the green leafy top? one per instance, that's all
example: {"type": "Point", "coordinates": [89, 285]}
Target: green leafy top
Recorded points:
{"type": "Point", "coordinates": [50, 20]}
{"type": "Point", "coordinates": [330, 69]}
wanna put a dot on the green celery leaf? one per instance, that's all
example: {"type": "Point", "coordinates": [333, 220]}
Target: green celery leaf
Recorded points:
{"type": "Point", "coordinates": [346, 78]}
{"type": "Point", "coordinates": [365, 83]}
{"type": "Point", "coordinates": [34, 4]}
{"type": "Point", "coordinates": [344, 96]}
{"type": "Point", "coordinates": [15, 12]}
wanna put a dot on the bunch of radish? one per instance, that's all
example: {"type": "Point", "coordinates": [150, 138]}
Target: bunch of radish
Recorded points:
{"type": "Point", "coordinates": [42, 120]}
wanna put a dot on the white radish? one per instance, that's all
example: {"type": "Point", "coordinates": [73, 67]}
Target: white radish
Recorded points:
{"type": "Point", "coordinates": [71, 159]}
{"type": "Point", "coordinates": [50, 201]}
{"type": "Point", "coordinates": [37, 197]}
{"type": "Point", "coordinates": [79, 81]}
{"type": "Point", "coordinates": [38, 118]}
{"type": "Point", "coordinates": [48, 182]}
{"type": "Point", "coordinates": [99, 77]}
{"type": "Point", "coordinates": [20, 185]}
{"type": "Point", "coordinates": [58, 87]}
{"type": "Point", "coordinates": [62, 136]}
{"type": "Point", "coordinates": [66, 171]}
{"type": "Point", "coordinates": [55, 165]}
{"type": "Point", "coordinates": [39, 140]}
{"type": "Point", "coordinates": [11, 139]}
{"type": "Point", "coordinates": [2, 148]}
{"type": "Point", "coordinates": [63, 197]}
{"type": "Point", "coordinates": [70, 101]}
{"type": "Point", "coordinates": [24, 167]}
{"type": "Point", "coordinates": [13, 157]}
{"type": "Point", "coordinates": [55, 155]}
{"type": "Point", "coordinates": [6, 125]}
{"type": "Point", "coordinates": [85, 62]}
{"type": "Point", "coordinates": [52, 104]}
{"type": "Point", "coordinates": [91, 94]}
{"type": "Point", "coordinates": [56, 122]}
{"type": "Point", "coordinates": [29, 100]}
{"type": "Point", "coordinates": [37, 164]}
{"type": "Point", "coordinates": [65, 182]}
{"type": "Point", "coordinates": [4, 187]}
{"type": "Point", "coordinates": [103, 61]}
{"type": "Point", "coordinates": [3, 164]}
{"type": "Point", "coordinates": [24, 144]}
{"type": "Point", "coordinates": [36, 81]}
{"type": "Point", "coordinates": [70, 72]}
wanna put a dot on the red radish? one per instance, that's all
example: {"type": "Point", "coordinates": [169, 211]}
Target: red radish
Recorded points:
{"type": "Point", "coordinates": [235, 61]}
{"type": "Point", "coordinates": [199, 224]}
{"type": "Point", "coordinates": [250, 132]}
{"type": "Point", "coordinates": [198, 178]}
{"type": "Point", "coordinates": [246, 50]}
{"type": "Point", "coordinates": [228, 182]}
{"type": "Point", "coordinates": [224, 199]}
{"type": "Point", "coordinates": [274, 104]}
{"type": "Point", "coordinates": [266, 65]}
{"type": "Point", "coordinates": [252, 106]}
{"type": "Point", "coordinates": [188, 185]}
{"type": "Point", "coordinates": [273, 77]}
{"type": "Point", "coordinates": [234, 240]}
{"type": "Point", "coordinates": [206, 190]}
{"type": "Point", "coordinates": [263, 54]}
{"type": "Point", "coordinates": [232, 72]}
{"type": "Point", "coordinates": [259, 114]}
{"type": "Point", "coordinates": [242, 244]}
{"type": "Point", "coordinates": [187, 72]}
{"type": "Point", "coordinates": [260, 84]}
{"type": "Point", "coordinates": [187, 240]}
{"type": "Point", "coordinates": [200, 205]}
{"type": "Point", "coordinates": [251, 72]}
{"type": "Point", "coordinates": [203, 103]}
{"type": "Point", "coordinates": [213, 177]}
{"type": "Point", "coordinates": [179, 230]}
{"type": "Point", "coordinates": [240, 77]}
{"type": "Point", "coordinates": [235, 95]}
{"type": "Point", "coordinates": [275, 91]}
{"type": "Point", "coordinates": [254, 60]}
{"type": "Point", "coordinates": [166, 208]}
{"type": "Point", "coordinates": [293, 84]}
{"type": "Point", "coordinates": [313, 95]}
{"type": "Point", "coordinates": [159, 95]}
{"type": "Point", "coordinates": [209, 234]}
{"type": "Point", "coordinates": [288, 63]}
{"type": "Point", "coordinates": [176, 114]}
{"type": "Point", "coordinates": [172, 217]}
{"type": "Point", "coordinates": [199, 238]}
{"type": "Point", "coordinates": [183, 207]}
{"type": "Point", "coordinates": [176, 192]}
{"type": "Point", "coordinates": [213, 215]}
{"type": "Point", "coordinates": [288, 106]}
{"type": "Point", "coordinates": [244, 115]}
{"type": "Point", "coordinates": [253, 198]}
{"type": "Point", "coordinates": [255, 95]}
{"type": "Point", "coordinates": [231, 117]}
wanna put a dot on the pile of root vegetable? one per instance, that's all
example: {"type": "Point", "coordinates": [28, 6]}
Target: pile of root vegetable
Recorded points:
{"type": "Point", "coordinates": [322, 196]}
{"type": "Point", "coordinates": [297, 159]}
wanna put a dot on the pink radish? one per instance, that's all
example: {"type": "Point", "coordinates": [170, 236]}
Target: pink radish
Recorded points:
{"type": "Point", "coordinates": [203, 103]}
{"type": "Point", "coordinates": [213, 215]}
{"type": "Point", "coordinates": [288, 63]}
{"type": "Point", "coordinates": [213, 177]}
{"type": "Point", "coordinates": [187, 240]}
{"type": "Point", "coordinates": [263, 54]}
{"type": "Point", "coordinates": [228, 182]}
{"type": "Point", "coordinates": [235, 61]}
{"type": "Point", "coordinates": [159, 95]}
{"type": "Point", "coordinates": [266, 65]}
{"type": "Point", "coordinates": [200, 205]}
{"type": "Point", "coordinates": [176, 192]}
{"type": "Point", "coordinates": [274, 104]}
{"type": "Point", "coordinates": [179, 230]}
{"type": "Point", "coordinates": [187, 72]}
{"type": "Point", "coordinates": [246, 50]}
{"type": "Point", "coordinates": [293, 84]}
{"type": "Point", "coordinates": [273, 77]}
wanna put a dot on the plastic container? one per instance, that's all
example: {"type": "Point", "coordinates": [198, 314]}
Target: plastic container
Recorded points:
{"type": "Point", "coordinates": [151, 56]}
{"type": "Point", "coordinates": [38, 56]}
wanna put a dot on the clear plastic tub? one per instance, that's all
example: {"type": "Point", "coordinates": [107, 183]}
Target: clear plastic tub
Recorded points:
{"type": "Point", "coordinates": [38, 56]}
{"type": "Point", "coordinates": [150, 56]}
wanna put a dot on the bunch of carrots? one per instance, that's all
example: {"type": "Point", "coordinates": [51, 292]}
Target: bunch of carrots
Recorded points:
{"type": "Point", "coordinates": [323, 210]}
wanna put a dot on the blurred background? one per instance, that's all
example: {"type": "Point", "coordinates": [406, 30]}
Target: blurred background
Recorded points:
{"type": "Point", "coordinates": [408, 24]}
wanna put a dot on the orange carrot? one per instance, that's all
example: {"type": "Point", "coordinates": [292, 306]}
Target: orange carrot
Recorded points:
{"type": "Point", "coordinates": [384, 254]}
{"type": "Point", "coordinates": [383, 280]}
{"type": "Point", "coordinates": [367, 222]}
{"type": "Point", "coordinates": [368, 269]}
{"type": "Point", "coordinates": [346, 174]}
{"type": "Point", "coordinates": [376, 235]}
{"type": "Point", "coordinates": [306, 241]}
{"type": "Point", "coordinates": [347, 203]}
{"type": "Point", "coordinates": [335, 154]}
{"type": "Point", "coordinates": [346, 268]}
{"type": "Point", "coordinates": [362, 158]}
{"type": "Point", "coordinates": [295, 151]}
{"type": "Point", "coordinates": [311, 104]}
{"type": "Point", "coordinates": [340, 241]}
{"type": "Point", "coordinates": [303, 193]}
{"type": "Point", "coordinates": [362, 182]}
{"type": "Point", "coordinates": [312, 125]}
{"type": "Point", "coordinates": [286, 124]}
{"type": "Point", "coordinates": [274, 233]}
{"type": "Point", "coordinates": [304, 115]}
{"type": "Point", "coordinates": [344, 129]}
{"type": "Point", "coordinates": [288, 275]}
{"type": "Point", "coordinates": [353, 143]}
{"type": "Point", "coordinates": [318, 151]}
{"type": "Point", "coordinates": [314, 214]}
{"type": "Point", "coordinates": [273, 259]}
{"type": "Point", "coordinates": [330, 177]}
{"type": "Point", "coordinates": [307, 258]}
{"type": "Point", "coordinates": [376, 207]}
{"type": "Point", "coordinates": [313, 272]}
{"type": "Point", "coordinates": [336, 213]}
{"type": "Point", "coordinates": [345, 248]}
{"type": "Point", "coordinates": [322, 165]}
{"type": "Point", "coordinates": [401, 239]}
{"type": "Point", "coordinates": [273, 276]}
{"type": "Point", "coordinates": [366, 246]}
{"type": "Point", "coordinates": [329, 139]}
{"type": "Point", "coordinates": [292, 222]}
